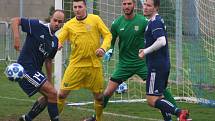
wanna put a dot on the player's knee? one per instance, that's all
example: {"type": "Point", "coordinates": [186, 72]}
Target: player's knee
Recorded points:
{"type": "Point", "coordinates": [111, 88]}
{"type": "Point", "coordinates": [42, 99]}
{"type": "Point", "coordinates": [52, 95]}
{"type": "Point", "coordinates": [151, 100]}
{"type": "Point", "coordinates": [150, 103]}
{"type": "Point", "coordinates": [62, 96]}
{"type": "Point", "coordinates": [108, 93]}
{"type": "Point", "coordinates": [99, 97]}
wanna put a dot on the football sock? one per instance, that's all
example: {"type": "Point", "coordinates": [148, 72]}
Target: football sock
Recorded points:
{"type": "Point", "coordinates": [26, 118]}
{"type": "Point", "coordinates": [166, 106]}
{"type": "Point", "coordinates": [98, 109]}
{"type": "Point", "coordinates": [105, 101]}
{"type": "Point", "coordinates": [166, 116]}
{"type": "Point", "coordinates": [53, 111]}
{"type": "Point", "coordinates": [60, 104]}
{"type": "Point", "coordinates": [168, 96]}
{"type": "Point", "coordinates": [37, 108]}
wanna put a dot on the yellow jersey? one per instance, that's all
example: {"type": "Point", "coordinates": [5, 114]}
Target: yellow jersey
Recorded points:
{"type": "Point", "coordinates": [85, 38]}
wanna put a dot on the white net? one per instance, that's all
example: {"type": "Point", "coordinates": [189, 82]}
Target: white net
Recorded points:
{"type": "Point", "coordinates": [190, 26]}
{"type": "Point", "coordinates": [203, 77]}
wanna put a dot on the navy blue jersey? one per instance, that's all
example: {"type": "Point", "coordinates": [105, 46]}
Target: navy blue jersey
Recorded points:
{"type": "Point", "coordinates": [39, 44]}
{"type": "Point", "coordinates": [158, 59]}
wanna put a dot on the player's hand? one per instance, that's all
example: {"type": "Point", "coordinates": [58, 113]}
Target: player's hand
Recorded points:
{"type": "Point", "coordinates": [60, 46]}
{"type": "Point", "coordinates": [141, 53]}
{"type": "Point", "coordinates": [100, 52]}
{"type": "Point", "coordinates": [17, 44]}
{"type": "Point", "coordinates": [108, 55]}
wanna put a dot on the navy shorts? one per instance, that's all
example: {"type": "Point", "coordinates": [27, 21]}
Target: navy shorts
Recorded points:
{"type": "Point", "coordinates": [32, 81]}
{"type": "Point", "coordinates": [156, 82]}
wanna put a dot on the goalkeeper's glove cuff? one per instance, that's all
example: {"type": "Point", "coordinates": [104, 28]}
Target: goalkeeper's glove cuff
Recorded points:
{"type": "Point", "coordinates": [110, 51]}
{"type": "Point", "coordinates": [108, 55]}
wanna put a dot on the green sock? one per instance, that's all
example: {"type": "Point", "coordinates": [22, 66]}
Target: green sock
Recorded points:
{"type": "Point", "coordinates": [168, 96]}
{"type": "Point", "coordinates": [105, 101]}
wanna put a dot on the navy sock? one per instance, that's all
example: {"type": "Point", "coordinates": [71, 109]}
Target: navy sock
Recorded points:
{"type": "Point", "coordinates": [166, 116]}
{"type": "Point", "coordinates": [53, 111]}
{"type": "Point", "coordinates": [27, 118]}
{"type": "Point", "coordinates": [166, 106]}
{"type": "Point", "coordinates": [36, 109]}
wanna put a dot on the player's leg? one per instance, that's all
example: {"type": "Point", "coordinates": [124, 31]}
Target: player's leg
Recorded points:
{"type": "Point", "coordinates": [119, 75]}
{"type": "Point", "coordinates": [62, 95]}
{"type": "Point", "coordinates": [72, 80]}
{"type": "Point", "coordinates": [95, 82]}
{"type": "Point", "coordinates": [98, 106]}
{"type": "Point", "coordinates": [101, 101]}
{"type": "Point", "coordinates": [168, 96]}
{"type": "Point", "coordinates": [30, 86]}
{"type": "Point", "coordinates": [110, 89]}
{"type": "Point", "coordinates": [49, 91]}
{"type": "Point", "coordinates": [155, 85]}
{"type": "Point", "coordinates": [142, 72]}
{"type": "Point", "coordinates": [37, 108]}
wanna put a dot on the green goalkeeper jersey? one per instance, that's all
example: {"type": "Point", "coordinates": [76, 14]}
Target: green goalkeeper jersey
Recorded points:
{"type": "Point", "coordinates": [131, 39]}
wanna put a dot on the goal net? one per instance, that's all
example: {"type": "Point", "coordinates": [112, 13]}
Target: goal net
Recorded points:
{"type": "Point", "coordinates": [191, 35]}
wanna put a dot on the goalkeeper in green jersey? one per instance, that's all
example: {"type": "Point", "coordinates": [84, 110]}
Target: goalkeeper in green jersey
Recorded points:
{"type": "Point", "coordinates": [130, 29]}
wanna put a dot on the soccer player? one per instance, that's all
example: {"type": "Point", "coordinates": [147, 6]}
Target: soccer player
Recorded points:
{"type": "Point", "coordinates": [85, 68]}
{"type": "Point", "coordinates": [40, 47]}
{"type": "Point", "coordinates": [130, 29]}
{"type": "Point", "coordinates": [158, 62]}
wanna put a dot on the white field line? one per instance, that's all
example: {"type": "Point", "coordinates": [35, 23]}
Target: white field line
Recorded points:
{"type": "Point", "coordinates": [89, 110]}
{"type": "Point", "coordinates": [121, 115]}
{"type": "Point", "coordinates": [17, 99]}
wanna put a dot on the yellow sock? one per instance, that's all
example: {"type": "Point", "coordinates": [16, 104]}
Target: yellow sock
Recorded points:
{"type": "Point", "coordinates": [98, 109]}
{"type": "Point", "coordinates": [60, 104]}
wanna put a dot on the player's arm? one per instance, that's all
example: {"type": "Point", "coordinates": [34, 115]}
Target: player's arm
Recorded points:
{"type": "Point", "coordinates": [62, 36]}
{"type": "Point", "coordinates": [48, 66]}
{"type": "Point", "coordinates": [114, 34]}
{"type": "Point", "coordinates": [16, 34]}
{"type": "Point", "coordinates": [160, 42]}
{"type": "Point", "coordinates": [109, 53]}
{"type": "Point", "coordinates": [106, 34]}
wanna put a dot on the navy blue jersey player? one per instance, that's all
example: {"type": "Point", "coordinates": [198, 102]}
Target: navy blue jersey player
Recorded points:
{"type": "Point", "coordinates": [40, 47]}
{"type": "Point", "coordinates": [158, 62]}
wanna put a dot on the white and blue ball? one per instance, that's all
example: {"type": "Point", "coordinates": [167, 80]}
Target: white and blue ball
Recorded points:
{"type": "Point", "coordinates": [14, 72]}
{"type": "Point", "coordinates": [122, 88]}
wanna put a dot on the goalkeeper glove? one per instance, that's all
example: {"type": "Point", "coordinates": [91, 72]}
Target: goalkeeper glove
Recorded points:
{"type": "Point", "coordinates": [108, 55]}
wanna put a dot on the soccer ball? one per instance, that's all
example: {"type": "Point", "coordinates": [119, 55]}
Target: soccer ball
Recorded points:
{"type": "Point", "coordinates": [14, 72]}
{"type": "Point", "coordinates": [122, 88]}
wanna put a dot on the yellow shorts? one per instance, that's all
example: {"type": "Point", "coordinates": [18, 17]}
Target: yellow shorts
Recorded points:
{"type": "Point", "coordinates": [83, 77]}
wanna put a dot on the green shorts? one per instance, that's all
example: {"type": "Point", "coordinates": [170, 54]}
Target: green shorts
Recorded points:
{"type": "Point", "coordinates": [122, 73]}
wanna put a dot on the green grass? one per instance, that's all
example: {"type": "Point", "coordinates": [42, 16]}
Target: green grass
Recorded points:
{"type": "Point", "coordinates": [13, 103]}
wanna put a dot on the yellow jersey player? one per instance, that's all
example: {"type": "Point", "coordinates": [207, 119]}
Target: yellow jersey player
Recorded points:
{"type": "Point", "coordinates": [85, 68]}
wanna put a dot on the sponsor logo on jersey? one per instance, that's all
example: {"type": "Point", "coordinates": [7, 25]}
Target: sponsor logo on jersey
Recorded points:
{"type": "Point", "coordinates": [88, 27]}
{"type": "Point", "coordinates": [136, 28]}
{"type": "Point", "coordinates": [42, 49]}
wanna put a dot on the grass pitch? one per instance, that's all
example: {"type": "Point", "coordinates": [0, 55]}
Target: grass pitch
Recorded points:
{"type": "Point", "coordinates": [14, 103]}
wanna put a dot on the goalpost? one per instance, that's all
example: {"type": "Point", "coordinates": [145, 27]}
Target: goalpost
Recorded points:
{"type": "Point", "coordinates": [191, 35]}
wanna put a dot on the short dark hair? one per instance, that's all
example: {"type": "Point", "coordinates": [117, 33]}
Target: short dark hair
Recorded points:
{"type": "Point", "coordinates": [57, 10]}
{"type": "Point", "coordinates": [80, 0]}
{"type": "Point", "coordinates": [157, 3]}
{"type": "Point", "coordinates": [134, 1]}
